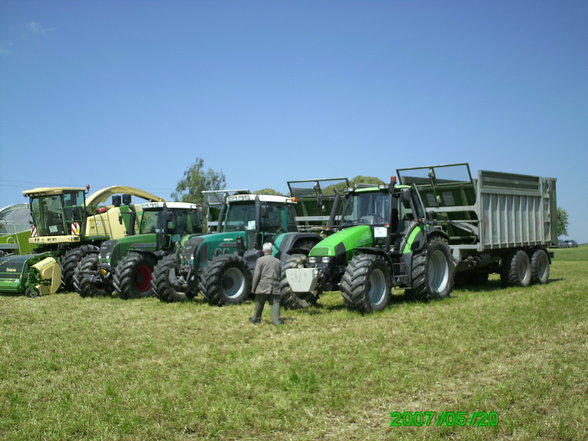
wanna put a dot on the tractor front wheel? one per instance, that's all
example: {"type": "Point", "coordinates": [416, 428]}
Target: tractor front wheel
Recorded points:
{"type": "Point", "coordinates": [133, 276]}
{"type": "Point", "coordinates": [69, 263]}
{"type": "Point", "coordinates": [288, 298]}
{"type": "Point", "coordinates": [227, 280]}
{"type": "Point", "coordinates": [84, 284]}
{"type": "Point", "coordinates": [366, 285]}
{"type": "Point", "coordinates": [164, 274]}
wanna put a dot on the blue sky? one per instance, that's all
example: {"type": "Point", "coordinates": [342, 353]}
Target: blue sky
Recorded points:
{"type": "Point", "coordinates": [131, 92]}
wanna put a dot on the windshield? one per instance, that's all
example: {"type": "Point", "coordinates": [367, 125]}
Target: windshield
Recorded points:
{"type": "Point", "coordinates": [240, 217]}
{"type": "Point", "coordinates": [54, 214]}
{"type": "Point", "coordinates": [371, 208]}
{"type": "Point", "coordinates": [178, 222]}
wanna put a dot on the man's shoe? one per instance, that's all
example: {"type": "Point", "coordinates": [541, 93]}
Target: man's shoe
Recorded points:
{"type": "Point", "coordinates": [281, 322]}
{"type": "Point", "coordinates": [254, 320]}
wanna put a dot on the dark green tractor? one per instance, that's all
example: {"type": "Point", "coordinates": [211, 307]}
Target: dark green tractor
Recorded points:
{"type": "Point", "coordinates": [220, 265]}
{"type": "Point", "coordinates": [126, 265]}
{"type": "Point", "coordinates": [383, 239]}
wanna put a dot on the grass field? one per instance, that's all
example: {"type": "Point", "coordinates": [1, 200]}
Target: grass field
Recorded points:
{"type": "Point", "coordinates": [102, 369]}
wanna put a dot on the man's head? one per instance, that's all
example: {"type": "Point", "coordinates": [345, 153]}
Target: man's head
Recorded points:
{"type": "Point", "coordinates": [267, 248]}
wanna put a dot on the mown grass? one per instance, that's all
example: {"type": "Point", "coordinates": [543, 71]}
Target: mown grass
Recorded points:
{"type": "Point", "coordinates": [102, 369]}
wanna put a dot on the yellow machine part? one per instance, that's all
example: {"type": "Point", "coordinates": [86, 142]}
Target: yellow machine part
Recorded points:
{"type": "Point", "coordinates": [108, 223]}
{"type": "Point", "coordinates": [49, 270]}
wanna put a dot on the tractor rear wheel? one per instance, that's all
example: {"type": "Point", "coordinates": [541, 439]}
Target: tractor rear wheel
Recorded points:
{"type": "Point", "coordinates": [539, 266]}
{"type": "Point", "coordinates": [70, 261]}
{"type": "Point", "coordinates": [516, 269]}
{"type": "Point", "coordinates": [288, 298]}
{"type": "Point", "coordinates": [366, 284]}
{"type": "Point", "coordinates": [432, 272]}
{"type": "Point", "coordinates": [227, 280]}
{"type": "Point", "coordinates": [163, 275]}
{"type": "Point", "coordinates": [133, 276]}
{"type": "Point", "coordinates": [84, 285]}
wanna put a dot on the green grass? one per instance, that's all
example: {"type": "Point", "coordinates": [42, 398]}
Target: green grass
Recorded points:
{"type": "Point", "coordinates": [102, 369]}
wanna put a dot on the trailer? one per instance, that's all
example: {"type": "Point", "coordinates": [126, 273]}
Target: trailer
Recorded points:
{"type": "Point", "coordinates": [497, 223]}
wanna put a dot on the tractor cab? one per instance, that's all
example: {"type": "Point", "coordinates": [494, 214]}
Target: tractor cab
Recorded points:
{"type": "Point", "coordinates": [175, 219]}
{"type": "Point", "coordinates": [57, 211]}
{"type": "Point", "coordinates": [261, 217]}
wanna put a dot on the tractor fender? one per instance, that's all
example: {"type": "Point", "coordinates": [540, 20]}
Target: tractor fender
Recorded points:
{"type": "Point", "coordinates": [297, 243]}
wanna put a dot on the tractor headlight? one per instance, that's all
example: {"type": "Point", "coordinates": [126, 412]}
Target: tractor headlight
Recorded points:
{"type": "Point", "coordinates": [325, 259]}
{"type": "Point", "coordinates": [312, 260]}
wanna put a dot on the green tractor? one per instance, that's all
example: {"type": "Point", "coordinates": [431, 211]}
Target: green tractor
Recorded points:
{"type": "Point", "coordinates": [382, 239]}
{"type": "Point", "coordinates": [220, 265]}
{"type": "Point", "coordinates": [126, 265]}
{"type": "Point", "coordinates": [67, 226]}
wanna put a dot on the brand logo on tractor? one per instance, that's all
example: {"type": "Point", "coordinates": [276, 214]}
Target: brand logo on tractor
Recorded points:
{"type": "Point", "coordinates": [75, 228]}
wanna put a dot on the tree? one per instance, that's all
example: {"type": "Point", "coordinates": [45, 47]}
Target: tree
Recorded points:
{"type": "Point", "coordinates": [269, 191]}
{"type": "Point", "coordinates": [196, 179]}
{"type": "Point", "coordinates": [562, 222]}
{"type": "Point", "coordinates": [341, 187]}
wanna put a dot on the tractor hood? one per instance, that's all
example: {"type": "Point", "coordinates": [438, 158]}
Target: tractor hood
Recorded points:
{"type": "Point", "coordinates": [346, 240]}
{"type": "Point", "coordinates": [212, 245]}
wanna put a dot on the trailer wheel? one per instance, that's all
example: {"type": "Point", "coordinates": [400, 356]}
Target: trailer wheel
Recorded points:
{"type": "Point", "coordinates": [70, 261]}
{"type": "Point", "coordinates": [227, 280]}
{"type": "Point", "coordinates": [539, 266]}
{"type": "Point", "coordinates": [133, 276]}
{"type": "Point", "coordinates": [432, 272]}
{"type": "Point", "coordinates": [288, 298]}
{"type": "Point", "coordinates": [84, 284]}
{"type": "Point", "coordinates": [366, 284]}
{"type": "Point", "coordinates": [163, 276]}
{"type": "Point", "coordinates": [516, 269]}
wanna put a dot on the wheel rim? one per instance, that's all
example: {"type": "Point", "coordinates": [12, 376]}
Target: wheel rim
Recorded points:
{"type": "Point", "coordinates": [143, 276]}
{"type": "Point", "coordinates": [377, 286]}
{"type": "Point", "coordinates": [523, 269]}
{"type": "Point", "coordinates": [233, 283]}
{"type": "Point", "coordinates": [542, 266]}
{"type": "Point", "coordinates": [438, 271]}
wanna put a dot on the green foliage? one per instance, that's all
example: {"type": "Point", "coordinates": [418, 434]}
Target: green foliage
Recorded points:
{"type": "Point", "coordinates": [196, 179]}
{"type": "Point", "coordinates": [341, 187]}
{"type": "Point", "coordinates": [270, 191]}
{"type": "Point", "coordinates": [562, 222]}
{"type": "Point", "coordinates": [74, 369]}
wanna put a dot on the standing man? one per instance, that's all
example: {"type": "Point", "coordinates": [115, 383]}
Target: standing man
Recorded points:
{"type": "Point", "coordinates": [266, 280]}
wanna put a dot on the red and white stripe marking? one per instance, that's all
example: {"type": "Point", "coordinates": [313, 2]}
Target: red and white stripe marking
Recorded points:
{"type": "Point", "coordinates": [34, 231]}
{"type": "Point", "coordinates": [75, 228]}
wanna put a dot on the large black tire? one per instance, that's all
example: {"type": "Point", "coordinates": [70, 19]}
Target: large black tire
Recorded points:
{"type": "Point", "coordinates": [84, 285]}
{"type": "Point", "coordinates": [516, 269]}
{"type": "Point", "coordinates": [289, 299]}
{"type": "Point", "coordinates": [539, 266]}
{"type": "Point", "coordinates": [366, 283]}
{"type": "Point", "coordinates": [227, 280]}
{"type": "Point", "coordinates": [163, 274]}
{"type": "Point", "coordinates": [432, 272]}
{"type": "Point", "coordinates": [133, 276]}
{"type": "Point", "coordinates": [70, 261]}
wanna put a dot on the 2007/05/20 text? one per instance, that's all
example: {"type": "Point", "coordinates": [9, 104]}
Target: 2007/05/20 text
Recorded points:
{"type": "Point", "coordinates": [449, 419]}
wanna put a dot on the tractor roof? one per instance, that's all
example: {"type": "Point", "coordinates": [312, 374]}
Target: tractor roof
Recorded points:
{"type": "Point", "coordinates": [172, 205]}
{"type": "Point", "coordinates": [48, 191]}
{"type": "Point", "coordinates": [262, 198]}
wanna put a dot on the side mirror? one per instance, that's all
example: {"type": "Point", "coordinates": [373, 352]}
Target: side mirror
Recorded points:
{"type": "Point", "coordinates": [116, 200]}
{"type": "Point", "coordinates": [126, 199]}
